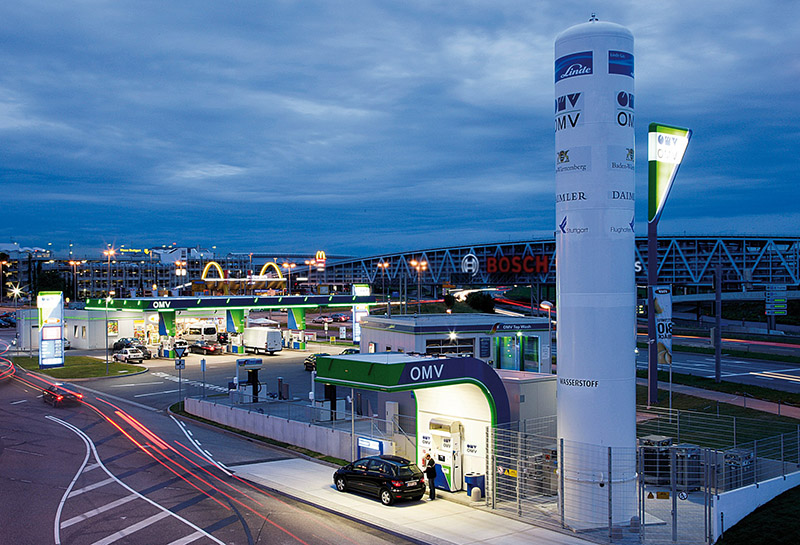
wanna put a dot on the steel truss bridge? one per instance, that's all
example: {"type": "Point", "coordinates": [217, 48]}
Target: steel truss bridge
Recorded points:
{"type": "Point", "coordinates": [686, 262]}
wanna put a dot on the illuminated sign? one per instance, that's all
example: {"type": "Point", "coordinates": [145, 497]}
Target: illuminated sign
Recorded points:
{"type": "Point", "coordinates": [51, 320]}
{"type": "Point", "coordinates": [518, 264]}
{"type": "Point", "coordinates": [134, 250]}
{"type": "Point", "coordinates": [666, 146]}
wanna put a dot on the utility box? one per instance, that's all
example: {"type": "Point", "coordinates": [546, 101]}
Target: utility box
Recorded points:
{"type": "Point", "coordinates": [739, 468]}
{"type": "Point", "coordinates": [688, 467]}
{"type": "Point", "coordinates": [655, 451]}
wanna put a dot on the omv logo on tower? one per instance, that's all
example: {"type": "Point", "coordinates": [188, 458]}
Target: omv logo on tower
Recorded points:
{"type": "Point", "coordinates": [577, 64]}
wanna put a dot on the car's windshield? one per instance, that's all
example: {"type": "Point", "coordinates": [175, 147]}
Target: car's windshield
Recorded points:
{"type": "Point", "coordinates": [408, 471]}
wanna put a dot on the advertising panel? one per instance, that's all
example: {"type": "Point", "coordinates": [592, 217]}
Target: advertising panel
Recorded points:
{"type": "Point", "coordinates": [666, 146]}
{"type": "Point", "coordinates": [662, 303]}
{"type": "Point", "coordinates": [51, 329]}
{"type": "Point", "coordinates": [359, 311]}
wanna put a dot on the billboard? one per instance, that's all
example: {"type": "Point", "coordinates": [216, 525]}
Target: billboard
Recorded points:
{"type": "Point", "coordinates": [662, 307]}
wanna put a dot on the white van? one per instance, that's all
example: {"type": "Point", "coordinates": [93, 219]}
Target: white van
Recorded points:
{"type": "Point", "coordinates": [261, 339]}
{"type": "Point", "coordinates": [201, 332]}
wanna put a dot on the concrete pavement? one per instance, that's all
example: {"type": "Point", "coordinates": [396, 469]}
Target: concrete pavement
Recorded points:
{"type": "Point", "coordinates": [448, 520]}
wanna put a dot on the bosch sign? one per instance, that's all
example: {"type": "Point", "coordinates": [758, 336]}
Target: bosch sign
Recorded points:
{"type": "Point", "coordinates": [518, 264]}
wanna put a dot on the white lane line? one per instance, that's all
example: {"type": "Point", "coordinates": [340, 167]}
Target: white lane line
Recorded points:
{"type": "Point", "coordinates": [56, 529]}
{"type": "Point", "coordinates": [156, 393]}
{"type": "Point", "coordinates": [131, 529]}
{"type": "Point", "coordinates": [91, 467]}
{"type": "Point", "coordinates": [122, 484]}
{"type": "Point", "coordinates": [18, 402]}
{"type": "Point", "coordinates": [93, 512]}
{"type": "Point", "coordinates": [91, 487]}
{"type": "Point", "coordinates": [203, 453]}
{"type": "Point", "coordinates": [188, 539]}
{"type": "Point", "coordinates": [137, 384]}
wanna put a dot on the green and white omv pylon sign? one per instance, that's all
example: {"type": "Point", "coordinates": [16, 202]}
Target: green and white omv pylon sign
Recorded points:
{"type": "Point", "coordinates": [666, 146]}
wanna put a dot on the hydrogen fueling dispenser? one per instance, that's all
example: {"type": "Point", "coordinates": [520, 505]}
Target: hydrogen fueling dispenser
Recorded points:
{"type": "Point", "coordinates": [446, 451]}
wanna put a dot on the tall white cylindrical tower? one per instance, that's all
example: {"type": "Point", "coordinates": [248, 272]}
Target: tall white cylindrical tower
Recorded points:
{"type": "Point", "coordinates": [596, 298]}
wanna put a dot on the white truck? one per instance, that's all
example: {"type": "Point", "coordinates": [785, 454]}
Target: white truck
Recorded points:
{"type": "Point", "coordinates": [262, 339]}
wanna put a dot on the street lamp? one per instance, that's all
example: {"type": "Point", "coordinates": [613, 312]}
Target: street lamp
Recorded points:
{"type": "Point", "coordinates": [289, 266]}
{"type": "Point", "coordinates": [548, 306]}
{"type": "Point", "coordinates": [2, 281]}
{"type": "Point", "coordinates": [383, 265]}
{"type": "Point", "coordinates": [74, 264]}
{"type": "Point", "coordinates": [420, 266]}
{"type": "Point", "coordinates": [179, 272]}
{"type": "Point", "coordinates": [109, 253]}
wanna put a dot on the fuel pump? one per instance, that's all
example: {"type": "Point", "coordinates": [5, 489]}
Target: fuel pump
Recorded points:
{"type": "Point", "coordinates": [251, 365]}
{"type": "Point", "coordinates": [446, 452]}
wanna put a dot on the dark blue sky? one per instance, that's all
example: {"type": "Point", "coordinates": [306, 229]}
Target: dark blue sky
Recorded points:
{"type": "Point", "coordinates": [364, 127]}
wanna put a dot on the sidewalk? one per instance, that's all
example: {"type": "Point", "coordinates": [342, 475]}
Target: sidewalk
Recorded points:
{"type": "Point", "coordinates": [741, 401]}
{"type": "Point", "coordinates": [444, 521]}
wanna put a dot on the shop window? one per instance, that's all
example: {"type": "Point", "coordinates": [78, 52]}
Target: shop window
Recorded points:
{"type": "Point", "coordinates": [457, 346]}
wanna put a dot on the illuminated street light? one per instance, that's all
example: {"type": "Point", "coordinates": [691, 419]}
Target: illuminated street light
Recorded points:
{"type": "Point", "coordinates": [179, 272]}
{"type": "Point", "coordinates": [109, 253]}
{"type": "Point", "coordinates": [2, 281]}
{"type": "Point", "coordinates": [421, 266]}
{"type": "Point", "coordinates": [74, 264]}
{"type": "Point", "coordinates": [383, 265]}
{"type": "Point", "coordinates": [108, 300]}
{"type": "Point", "coordinates": [289, 266]}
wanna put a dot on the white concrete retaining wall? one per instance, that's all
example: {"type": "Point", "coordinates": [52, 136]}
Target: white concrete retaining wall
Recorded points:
{"type": "Point", "coordinates": [320, 439]}
{"type": "Point", "coordinates": [731, 507]}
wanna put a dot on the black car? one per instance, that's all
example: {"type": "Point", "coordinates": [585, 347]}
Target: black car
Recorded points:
{"type": "Point", "coordinates": [390, 478]}
{"type": "Point", "coordinates": [57, 395]}
{"type": "Point", "coordinates": [222, 337]}
{"type": "Point", "coordinates": [340, 317]}
{"type": "Point", "coordinates": [142, 348]}
{"type": "Point", "coordinates": [349, 351]}
{"type": "Point", "coordinates": [310, 362]}
{"type": "Point", "coordinates": [124, 342]}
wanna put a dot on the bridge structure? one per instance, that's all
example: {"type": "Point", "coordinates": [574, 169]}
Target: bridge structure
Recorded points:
{"type": "Point", "coordinates": [748, 263]}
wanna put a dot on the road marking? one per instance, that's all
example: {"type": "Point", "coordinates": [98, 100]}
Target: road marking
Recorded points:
{"type": "Point", "coordinates": [137, 384]}
{"type": "Point", "coordinates": [188, 539]}
{"type": "Point", "coordinates": [89, 445]}
{"type": "Point", "coordinates": [90, 467]}
{"type": "Point", "coordinates": [93, 512]}
{"type": "Point", "coordinates": [90, 487]}
{"type": "Point", "coordinates": [775, 375]}
{"type": "Point", "coordinates": [156, 393]}
{"type": "Point", "coordinates": [18, 402]}
{"type": "Point", "coordinates": [131, 529]}
{"type": "Point", "coordinates": [204, 453]}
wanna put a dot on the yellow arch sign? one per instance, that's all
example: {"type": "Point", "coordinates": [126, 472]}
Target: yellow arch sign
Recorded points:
{"type": "Point", "coordinates": [274, 266]}
{"type": "Point", "coordinates": [214, 264]}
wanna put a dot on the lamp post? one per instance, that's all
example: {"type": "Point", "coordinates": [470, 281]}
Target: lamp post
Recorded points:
{"type": "Point", "coordinates": [311, 263]}
{"type": "Point", "coordinates": [74, 265]}
{"type": "Point", "coordinates": [420, 266]}
{"type": "Point", "coordinates": [383, 265]}
{"type": "Point", "coordinates": [548, 306]}
{"type": "Point", "coordinates": [2, 281]}
{"type": "Point", "coordinates": [109, 254]}
{"type": "Point", "coordinates": [108, 300]}
{"type": "Point", "coordinates": [289, 266]}
{"type": "Point", "coordinates": [179, 272]}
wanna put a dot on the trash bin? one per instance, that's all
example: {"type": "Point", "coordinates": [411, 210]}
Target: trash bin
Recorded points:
{"type": "Point", "coordinates": [475, 480]}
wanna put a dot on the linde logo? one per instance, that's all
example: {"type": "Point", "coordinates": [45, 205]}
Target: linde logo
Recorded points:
{"type": "Point", "coordinates": [568, 111]}
{"type": "Point", "coordinates": [470, 264]}
{"type": "Point", "coordinates": [625, 111]}
{"type": "Point", "coordinates": [162, 304]}
{"type": "Point", "coordinates": [576, 64]}
{"type": "Point", "coordinates": [428, 372]}
{"type": "Point", "coordinates": [571, 230]}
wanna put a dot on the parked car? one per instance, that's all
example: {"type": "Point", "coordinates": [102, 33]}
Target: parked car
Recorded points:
{"type": "Point", "coordinates": [390, 478]}
{"type": "Point", "coordinates": [340, 317]}
{"type": "Point", "coordinates": [181, 343]}
{"type": "Point", "coordinates": [205, 347]}
{"type": "Point", "coordinates": [128, 355]}
{"type": "Point", "coordinates": [322, 319]}
{"type": "Point", "coordinates": [66, 344]}
{"type": "Point", "coordinates": [124, 342]}
{"type": "Point", "coordinates": [222, 337]}
{"type": "Point", "coordinates": [310, 362]}
{"type": "Point", "coordinates": [348, 351]}
{"type": "Point", "coordinates": [57, 395]}
{"type": "Point", "coordinates": [142, 348]}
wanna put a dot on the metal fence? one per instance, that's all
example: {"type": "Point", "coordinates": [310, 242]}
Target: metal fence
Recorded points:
{"type": "Point", "coordinates": [662, 491]}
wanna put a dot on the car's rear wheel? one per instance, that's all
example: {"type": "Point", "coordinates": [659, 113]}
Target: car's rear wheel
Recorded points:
{"type": "Point", "coordinates": [341, 484]}
{"type": "Point", "coordinates": [386, 497]}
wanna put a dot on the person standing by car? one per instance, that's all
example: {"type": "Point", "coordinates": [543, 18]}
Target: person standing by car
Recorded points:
{"type": "Point", "coordinates": [430, 474]}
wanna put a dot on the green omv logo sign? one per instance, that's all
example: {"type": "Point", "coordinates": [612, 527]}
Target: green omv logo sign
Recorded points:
{"type": "Point", "coordinates": [666, 146]}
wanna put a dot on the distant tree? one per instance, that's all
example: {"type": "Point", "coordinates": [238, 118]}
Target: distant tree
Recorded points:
{"type": "Point", "coordinates": [481, 301]}
{"type": "Point", "coordinates": [51, 281]}
{"type": "Point", "coordinates": [449, 301]}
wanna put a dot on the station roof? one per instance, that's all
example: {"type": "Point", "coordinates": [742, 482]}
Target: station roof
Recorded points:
{"type": "Point", "coordinates": [458, 323]}
{"type": "Point", "coordinates": [164, 304]}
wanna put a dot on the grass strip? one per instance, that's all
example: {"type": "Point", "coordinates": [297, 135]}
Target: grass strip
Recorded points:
{"type": "Point", "coordinates": [78, 367]}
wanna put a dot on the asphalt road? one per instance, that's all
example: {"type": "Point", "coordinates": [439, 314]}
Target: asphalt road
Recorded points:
{"type": "Point", "coordinates": [107, 471]}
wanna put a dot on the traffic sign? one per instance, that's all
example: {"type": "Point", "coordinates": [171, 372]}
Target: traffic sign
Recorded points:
{"type": "Point", "coordinates": [180, 351]}
{"type": "Point", "coordinates": [180, 363]}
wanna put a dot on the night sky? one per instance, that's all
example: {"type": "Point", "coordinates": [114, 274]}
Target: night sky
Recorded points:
{"type": "Point", "coordinates": [367, 127]}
